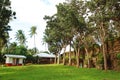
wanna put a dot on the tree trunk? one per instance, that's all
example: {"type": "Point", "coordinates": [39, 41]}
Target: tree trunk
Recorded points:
{"type": "Point", "coordinates": [70, 59]}
{"type": "Point", "coordinates": [58, 59]}
{"type": "Point", "coordinates": [103, 35]}
{"type": "Point", "coordinates": [34, 44]}
{"type": "Point", "coordinates": [78, 58]}
{"type": "Point", "coordinates": [64, 55]}
{"type": "Point", "coordinates": [70, 63]}
{"type": "Point", "coordinates": [88, 59]}
{"type": "Point", "coordinates": [55, 59]}
{"type": "Point", "coordinates": [104, 57]}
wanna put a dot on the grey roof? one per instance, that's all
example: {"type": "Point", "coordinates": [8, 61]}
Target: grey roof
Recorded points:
{"type": "Point", "coordinates": [45, 55]}
{"type": "Point", "coordinates": [15, 56]}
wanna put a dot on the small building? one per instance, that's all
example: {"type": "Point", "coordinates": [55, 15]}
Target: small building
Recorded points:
{"type": "Point", "coordinates": [44, 58]}
{"type": "Point", "coordinates": [14, 60]}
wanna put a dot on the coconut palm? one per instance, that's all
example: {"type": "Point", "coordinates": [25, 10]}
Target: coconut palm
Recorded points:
{"type": "Point", "coordinates": [20, 36]}
{"type": "Point", "coordinates": [33, 33]}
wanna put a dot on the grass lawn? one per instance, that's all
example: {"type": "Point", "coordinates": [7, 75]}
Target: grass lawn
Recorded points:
{"type": "Point", "coordinates": [55, 72]}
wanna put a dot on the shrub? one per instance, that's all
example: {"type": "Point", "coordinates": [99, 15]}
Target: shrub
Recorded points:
{"type": "Point", "coordinates": [100, 59]}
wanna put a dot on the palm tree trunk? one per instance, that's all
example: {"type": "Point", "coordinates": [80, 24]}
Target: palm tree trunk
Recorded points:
{"type": "Point", "coordinates": [34, 44]}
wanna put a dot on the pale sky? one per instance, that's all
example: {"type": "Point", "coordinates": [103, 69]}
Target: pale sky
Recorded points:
{"type": "Point", "coordinates": [30, 13]}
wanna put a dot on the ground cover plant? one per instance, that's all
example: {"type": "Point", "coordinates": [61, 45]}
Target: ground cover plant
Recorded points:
{"type": "Point", "coordinates": [55, 72]}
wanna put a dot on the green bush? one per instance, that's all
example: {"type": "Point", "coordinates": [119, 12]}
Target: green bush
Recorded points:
{"type": "Point", "coordinates": [100, 59]}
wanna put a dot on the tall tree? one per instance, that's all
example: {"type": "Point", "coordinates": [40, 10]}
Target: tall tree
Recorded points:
{"type": "Point", "coordinates": [65, 30]}
{"type": "Point", "coordinates": [6, 14]}
{"type": "Point", "coordinates": [33, 33]}
{"type": "Point", "coordinates": [103, 11]}
{"type": "Point", "coordinates": [74, 23]}
{"type": "Point", "coordinates": [12, 47]}
{"type": "Point", "coordinates": [54, 34]}
{"type": "Point", "coordinates": [65, 16]}
{"type": "Point", "coordinates": [20, 50]}
{"type": "Point", "coordinates": [20, 37]}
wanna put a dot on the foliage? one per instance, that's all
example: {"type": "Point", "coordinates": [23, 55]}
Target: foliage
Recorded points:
{"type": "Point", "coordinates": [83, 23]}
{"type": "Point", "coordinates": [12, 47]}
{"type": "Point", "coordinates": [100, 58]}
{"type": "Point", "coordinates": [33, 30]}
{"type": "Point", "coordinates": [33, 33]}
{"type": "Point", "coordinates": [32, 51]}
{"type": "Point", "coordinates": [6, 14]}
{"type": "Point", "coordinates": [21, 50]}
{"type": "Point", "coordinates": [20, 37]}
{"type": "Point", "coordinates": [2, 59]}
{"type": "Point", "coordinates": [53, 37]}
{"type": "Point", "coordinates": [30, 59]}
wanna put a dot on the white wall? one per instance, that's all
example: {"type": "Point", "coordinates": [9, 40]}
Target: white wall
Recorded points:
{"type": "Point", "coordinates": [9, 60]}
{"type": "Point", "coordinates": [20, 61]}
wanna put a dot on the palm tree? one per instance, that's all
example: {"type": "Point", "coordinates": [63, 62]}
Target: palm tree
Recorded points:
{"type": "Point", "coordinates": [11, 47]}
{"type": "Point", "coordinates": [33, 33]}
{"type": "Point", "coordinates": [20, 36]}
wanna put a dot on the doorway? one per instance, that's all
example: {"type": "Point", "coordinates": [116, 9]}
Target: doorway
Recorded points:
{"type": "Point", "coordinates": [15, 61]}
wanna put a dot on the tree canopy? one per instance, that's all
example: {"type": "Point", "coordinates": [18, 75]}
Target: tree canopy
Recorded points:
{"type": "Point", "coordinates": [6, 14]}
{"type": "Point", "coordinates": [83, 23]}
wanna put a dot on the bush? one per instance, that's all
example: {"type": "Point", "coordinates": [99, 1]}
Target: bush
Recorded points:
{"type": "Point", "coordinates": [100, 59]}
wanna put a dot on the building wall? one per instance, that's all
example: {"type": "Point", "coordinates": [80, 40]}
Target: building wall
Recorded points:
{"type": "Point", "coordinates": [10, 62]}
{"type": "Point", "coordinates": [46, 60]}
{"type": "Point", "coordinates": [21, 61]}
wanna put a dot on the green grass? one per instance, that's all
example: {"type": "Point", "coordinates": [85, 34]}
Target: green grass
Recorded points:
{"type": "Point", "coordinates": [55, 72]}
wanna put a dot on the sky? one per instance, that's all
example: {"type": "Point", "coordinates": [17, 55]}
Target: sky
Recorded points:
{"type": "Point", "coordinates": [30, 13]}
